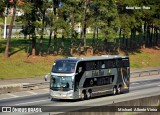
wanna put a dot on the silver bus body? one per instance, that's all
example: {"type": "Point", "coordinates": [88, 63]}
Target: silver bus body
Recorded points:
{"type": "Point", "coordinates": [93, 76]}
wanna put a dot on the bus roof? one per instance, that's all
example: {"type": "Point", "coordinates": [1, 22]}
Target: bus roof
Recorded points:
{"type": "Point", "coordinates": [102, 57]}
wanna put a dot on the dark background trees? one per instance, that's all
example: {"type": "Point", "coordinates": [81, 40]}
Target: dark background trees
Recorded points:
{"type": "Point", "coordinates": [123, 24]}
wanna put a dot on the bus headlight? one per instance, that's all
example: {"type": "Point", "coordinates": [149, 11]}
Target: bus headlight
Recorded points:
{"type": "Point", "coordinates": [70, 93]}
{"type": "Point", "coordinates": [51, 93]}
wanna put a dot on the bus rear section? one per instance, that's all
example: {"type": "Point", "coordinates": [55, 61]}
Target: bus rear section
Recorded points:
{"type": "Point", "coordinates": [103, 76]}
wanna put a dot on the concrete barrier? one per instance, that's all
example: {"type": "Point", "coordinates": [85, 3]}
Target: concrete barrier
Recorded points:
{"type": "Point", "coordinates": [10, 88]}
{"type": "Point", "coordinates": [142, 106]}
{"type": "Point", "coordinates": [19, 87]}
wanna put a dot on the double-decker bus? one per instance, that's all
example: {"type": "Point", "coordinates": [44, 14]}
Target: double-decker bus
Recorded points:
{"type": "Point", "coordinates": [84, 78]}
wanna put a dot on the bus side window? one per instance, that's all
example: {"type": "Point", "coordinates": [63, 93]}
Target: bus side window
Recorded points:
{"type": "Point", "coordinates": [90, 65]}
{"type": "Point", "coordinates": [126, 63]}
{"type": "Point", "coordinates": [110, 63]}
{"type": "Point", "coordinates": [80, 67]}
{"type": "Point", "coordinates": [99, 64]}
{"type": "Point", "coordinates": [106, 64]}
{"type": "Point", "coordinates": [119, 63]}
{"type": "Point", "coordinates": [95, 66]}
{"type": "Point", "coordinates": [103, 66]}
{"type": "Point", "coordinates": [89, 82]}
{"type": "Point", "coordinates": [87, 64]}
{"type": "Point", "coordinates": [113, 63]}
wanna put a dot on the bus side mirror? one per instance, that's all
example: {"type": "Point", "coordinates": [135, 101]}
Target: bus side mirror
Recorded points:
{"type": "Point", "coordinates": [46, 77]}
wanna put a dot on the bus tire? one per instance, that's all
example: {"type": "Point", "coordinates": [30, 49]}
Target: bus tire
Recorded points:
{"type": "Point", "coordinates": [114, 90]}
{"type": "Point", "coordinates": [82, 96]}
{"type": "Point", "coordinates": [127, 91]}
{"type": "Point", "coordinates": [89, 95]}
{"type": "Point", "coordinates": [51, 99]}
{"type": "Point", "coordinates": [119, 90]}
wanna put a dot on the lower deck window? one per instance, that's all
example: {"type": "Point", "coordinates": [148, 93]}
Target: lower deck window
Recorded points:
{"type": "Point", "coordinates": [98, 81]}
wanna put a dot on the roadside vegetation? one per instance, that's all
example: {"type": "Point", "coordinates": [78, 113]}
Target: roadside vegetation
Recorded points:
{"type": "Point", "coordinates": [20, 65]}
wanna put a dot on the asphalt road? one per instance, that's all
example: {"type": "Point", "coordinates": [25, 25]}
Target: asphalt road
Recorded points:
{"type": "Point", "coordinates": [139, 88]}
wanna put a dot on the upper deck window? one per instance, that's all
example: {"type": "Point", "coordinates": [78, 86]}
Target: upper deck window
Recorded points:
{"type": "Point", "coordinates": [125, 62]}
{"type": "Point", "coordinates": [110, 63]}
{"type": "Point", "coordinates": [63, 67]}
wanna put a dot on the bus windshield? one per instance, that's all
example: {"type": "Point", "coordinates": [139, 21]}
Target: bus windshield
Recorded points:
{"type": "Point", "coordinates": [61, 83]}
{"type": "Point", "coordinates": [63, 67]}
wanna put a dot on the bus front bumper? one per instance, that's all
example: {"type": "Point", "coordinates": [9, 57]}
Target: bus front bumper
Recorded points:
{"type": "Point", "coordinates": [61, 95]}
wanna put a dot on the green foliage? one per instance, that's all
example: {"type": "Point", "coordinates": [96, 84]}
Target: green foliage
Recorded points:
{"type": "Point", "coordinates": [0, 33]}
{"type": "Point", "coordinates": [2, 5]}
{"type": "Point", "coordinates": [106, 16]}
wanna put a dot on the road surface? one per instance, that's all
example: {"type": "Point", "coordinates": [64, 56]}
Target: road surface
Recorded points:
{"type": "Point", "coordinates": [139, 88]}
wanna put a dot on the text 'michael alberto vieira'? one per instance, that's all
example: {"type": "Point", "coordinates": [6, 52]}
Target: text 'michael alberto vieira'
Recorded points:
{"type": "Point", "coordinates": [137, 109]}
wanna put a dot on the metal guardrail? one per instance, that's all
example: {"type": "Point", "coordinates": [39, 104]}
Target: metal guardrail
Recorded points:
{"type": "Point", "coordinates": [35, 84]}
{"type": "Point", "coordinates": [145, 72]}
{"type": "Point", "coordinates": [133, 74]}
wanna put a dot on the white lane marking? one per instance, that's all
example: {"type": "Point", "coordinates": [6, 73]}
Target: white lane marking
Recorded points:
{"type": "Point", "coordinates": [141, 82]}
{"type": "Point", "coordinates": [134, 83]}
{"type": "Point", "coordinates": [17, 96]}
{"type": "Point", "coordinates": [32, 92]}
{"type": "Point", "coordinates": [12, 95]}
{"type": "Point", "coordinates": [32, 102]}
{"type": "Point", "coordinates": [46, 89]}
{"type": "Point", "coordinates": [145, 82]}
{"type": "Point", "coordinates": [146, 85]}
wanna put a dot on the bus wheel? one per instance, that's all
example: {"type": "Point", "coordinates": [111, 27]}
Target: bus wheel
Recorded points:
{"type": "Point", "coordinates": [119, 90]}
{"type": "Point", "coordinates": [89, 95]}
{"type": "Point", "coordinates": [114, 91]}
{"type": "Point", "coordinates": [83, 96]}
{"type": "Point", "coordinates": [51, 99]}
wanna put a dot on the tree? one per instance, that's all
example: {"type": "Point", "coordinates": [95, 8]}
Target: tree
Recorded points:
{"type": "Point", "coordinates": [50, 18]}
{"type": "Point", "coordinates": [2, 7]}
{"type": "Point", "coordinates": [139, 20]}
{"type": "Point", "coordinates": [156, 21]}
{"type": "Point", "coordinates": [109, 20]}
{"type": "Point", "coordinates": [42, 8]}
{"type": "Point", "coordinates": [85, 16]}
{"type": "Point", "coordinates": [55, 5]}
{"type": "Point", "coordinates": [30, 20]}
{"type": "Point", "coordinates": [10, 27]}
{"type": "Point", "coordinates": [11, 4]}
{"type": "Point", "coordinates": [71, 11]}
